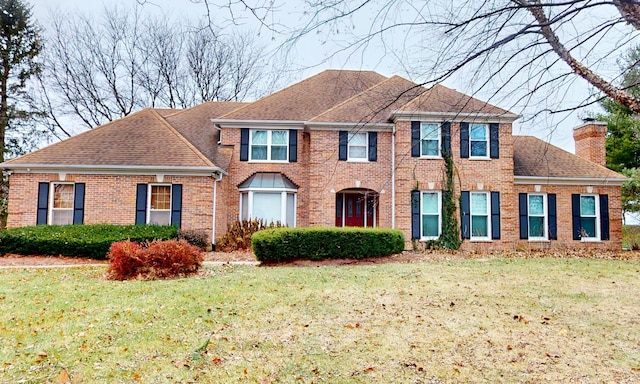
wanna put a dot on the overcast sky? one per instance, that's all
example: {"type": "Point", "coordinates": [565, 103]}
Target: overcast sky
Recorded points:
{"type": "Point", "coordinates": [322, 51]}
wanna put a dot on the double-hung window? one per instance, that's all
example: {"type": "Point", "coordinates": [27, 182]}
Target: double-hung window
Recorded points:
{"type": "Point", "coordinates": [429, 140]}
{"type": "Point", "coordinates": [62, 195]}
{"type": "Point", "coordinates": [589, 220]}
{"type": "Point", "coordinates": [159, 204]}
{"type": "Point", "coordinates": [479, 140]}
{"type": "Point", "coordinates": [537, 216]}
{"type": "Point", "coordinates": [430, 214]}
{"type": "Point", "coordinates": [357, 147]}
{"type": "Point", "coordinates": [269, 145]}
{"type": "Point", "coordinates": [480, 216]}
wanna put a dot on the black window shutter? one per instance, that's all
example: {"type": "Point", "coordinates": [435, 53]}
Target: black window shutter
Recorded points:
{"type": "Point", "coordinates": [293, 145]}
{"type": "Point", "coordinates": [604, 217]}
{"type": "Point", "coordinates": [244, 144]}
{"type": "Point", "coordinates": [141, 204]}
{"type": "Point", "coordinates": [465, 215]}
{"type": "Point", "coordinates": [43, 203]}
{"type": "Point", "coordinates": [553, 216]}
{"type": "Point", "coordinates": [176, 205]}
{"type": "Point", "coordinates": [524, 216]}
{"type": "Point", "coordinates": [78, 204]}
{"type": "Point", "coordinates": [495, 215]}
{"type": "Point", "coordinates": [464, 140]}
{"type": "Point", "coordinates": [415, 214]}
{"type": "Point", "coordinates": [445, 133]}
{"type": "Point", "coordinates": [373, 146]}
{"type": "Point", "coordinates": [494, 140]}
{"type": "Point", "coordinates": [575, 215]}
{"type": "Point", "coordinates": [343, 140]}
{"type": "Point", "coordinates": [415, 139]}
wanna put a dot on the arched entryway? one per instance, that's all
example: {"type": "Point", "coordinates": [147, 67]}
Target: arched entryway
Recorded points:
{"type": "Point", "coordinates": [357, 208]}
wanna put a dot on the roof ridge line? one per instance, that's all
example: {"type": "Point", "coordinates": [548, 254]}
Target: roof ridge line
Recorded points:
{"type": "Point", "coordinates": [183, 139]}
{"type": "Point", "coordinates": [294, 84]}
{"type": "Point", "coordinates": [379, 84]}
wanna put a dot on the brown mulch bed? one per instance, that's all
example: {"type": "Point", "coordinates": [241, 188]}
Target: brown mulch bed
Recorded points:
{"type": "Point", "coordinates": [11, 260]}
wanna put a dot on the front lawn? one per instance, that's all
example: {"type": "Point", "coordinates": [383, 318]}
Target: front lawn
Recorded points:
{"type": "Point", "coordinates": [497, 320]}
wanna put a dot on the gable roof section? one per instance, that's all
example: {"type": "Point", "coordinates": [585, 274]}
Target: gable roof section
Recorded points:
{"type": "Point", "coordinates": [440, 99]}
{"type": "Point", "coordinates": [142, 139]}
{"type": "Point", "coordinates": [308, 98]}
{"type": "Point", "coordinates": [535, 158]}
{"type": "Point", "coordinates": [374, 104]}
{"type": "Point", "coordinates": [195, 125]}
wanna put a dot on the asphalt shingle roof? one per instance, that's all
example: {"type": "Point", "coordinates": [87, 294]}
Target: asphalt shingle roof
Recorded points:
{"type": "Point", "coordinates": [374, 104]}
{"type": "Point", "coordinates": [446, 100]}
{"type": "Point", "coordinates": [143, 138]}
{"type": "Point", "coordinates": [308, 98]}
{"type": "Point", "coordinates": [537, 158]}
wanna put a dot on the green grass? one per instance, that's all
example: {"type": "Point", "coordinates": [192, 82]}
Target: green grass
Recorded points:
{"type": "Point", "coordinates": [497, 320]}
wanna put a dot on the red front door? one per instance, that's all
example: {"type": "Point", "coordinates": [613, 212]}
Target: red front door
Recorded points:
{"type": "Point", "coordinates": [353, 208]}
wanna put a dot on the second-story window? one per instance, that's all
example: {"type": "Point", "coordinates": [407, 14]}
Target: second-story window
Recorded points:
{"type": "Point", "coordinates": [357, 148]}
{"type": "Point", "coordinates": [429, 140]}
{"type": "Point", "coordinates": [269, 145]}
{"type": "Point", "coordinates": [479, 140]}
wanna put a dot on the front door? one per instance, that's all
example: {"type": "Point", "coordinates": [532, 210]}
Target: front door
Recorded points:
{"type": "Point", "coordinates": [352, 209]}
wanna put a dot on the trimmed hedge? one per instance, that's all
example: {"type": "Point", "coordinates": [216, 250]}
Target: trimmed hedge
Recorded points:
{"type": "Point", "coordinates": [90, 241]}
{"type": "Point", "coordinates": [316, 243]}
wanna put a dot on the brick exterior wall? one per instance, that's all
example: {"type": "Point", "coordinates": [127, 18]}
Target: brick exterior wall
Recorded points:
{"type": "Point", "coordinates": [111, 198]}
{"type": "Point", "coordinates": [320, 175]}
{"type": "Point", "coordinates": [590, 142]}
{"type": "Point", "coordinates": [565, 226]}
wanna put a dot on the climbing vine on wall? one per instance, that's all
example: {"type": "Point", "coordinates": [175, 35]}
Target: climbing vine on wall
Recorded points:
{"type": "Point", "coordinates": [450, 237]}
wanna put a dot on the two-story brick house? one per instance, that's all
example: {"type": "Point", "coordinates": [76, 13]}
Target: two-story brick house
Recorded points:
{"type": "Point", "coordinates": [342, 148]}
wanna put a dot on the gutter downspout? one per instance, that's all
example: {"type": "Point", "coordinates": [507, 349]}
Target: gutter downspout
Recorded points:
{"type": "Point", "coordinates": [216, 178]}
{"type": "Point", "coordinates": [393, 177]}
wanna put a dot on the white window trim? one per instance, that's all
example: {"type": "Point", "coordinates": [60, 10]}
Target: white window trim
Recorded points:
{"type": "Point", "coordinates": [52, 197]}
{"type": "Point", "coordinates": [283, 203]}
{"type": "Point", "coordinates": [545, 215]}
{"type": "Point", "coordinates": [269, 145]}
{"type": "Point", "coordinates": [439, 197]}
{"type": "Point", "coordinates": [149, 189]}
{"type": "Point", "coordinates": [439, 155]}
{"type": "Point", "coordinates": [471, 236]}
{"type": "Point", "coordinates": [596, 238]}
{"type": "Point", "coordinates": [366, 148]}
{"type": "Point", "coordinates": [487, 140]}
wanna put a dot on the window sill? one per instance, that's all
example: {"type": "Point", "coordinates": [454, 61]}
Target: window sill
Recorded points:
{"type": "Point", "coordinates": [269, 161]}
{"type": "Point", "coordinates": [590, 240]}
{"type": "Point", "coordinates": [357, 160]}
{"type": "Point", "coordinates": [539, 240]}
{"type": "Point", "coordinates": [480, 240]}
{"type": "Point", "coordinates": [431, 157]}
{"type": "Point", "coordinates": [429, 238]}
{"type": "Point", "coordinates": [480, 158]}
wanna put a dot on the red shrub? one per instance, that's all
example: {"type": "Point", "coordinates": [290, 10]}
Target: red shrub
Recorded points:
{"type": "Point", "coordinates": [171, 258]}
{"type": "Point", "coordinates": [158, 259]}
{"type": "Point", "coordinates": [124, 260]}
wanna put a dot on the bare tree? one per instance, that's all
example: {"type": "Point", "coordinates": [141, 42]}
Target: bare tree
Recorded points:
{"type": "Point", "coordinates": [512, 49]}
{"type": "Point", "coordinates": [98, 70]}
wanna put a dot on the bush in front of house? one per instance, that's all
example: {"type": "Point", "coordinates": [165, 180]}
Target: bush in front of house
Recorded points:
{"type": "Point", "coordinates": [316, 243]}
{"type": "Point", "coordinates": [90, 241]}
{"type": "Point", "coordinates": [195, 237]}
{"type": "Point", "coordinates": [159, 259]}
{"type": "Point", "coordinates": [238, 236]}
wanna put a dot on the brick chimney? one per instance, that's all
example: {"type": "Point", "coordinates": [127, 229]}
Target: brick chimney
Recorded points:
{"type": "Point", "coordinates": [590, 141]}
